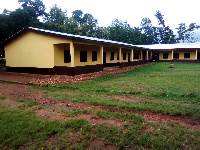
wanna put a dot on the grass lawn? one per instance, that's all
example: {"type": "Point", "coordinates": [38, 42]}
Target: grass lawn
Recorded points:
{"type": "Point", "coordinates": [159, 88]}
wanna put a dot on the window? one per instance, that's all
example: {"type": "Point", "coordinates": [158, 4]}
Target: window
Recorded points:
{"type": "Point", "coordinates": [136, 56]}
{"type": "Point", "coordinates": [83, 56]}
{"type": "Point", "coordinates": [112, 55]}
{"type": "Point", "coordinates": [165, 55]}
{"type": "Point", "coordinates": [186, 55]}
{"type": "Point", "coordinates": [124, 56]}
{"type": "Point", "coordinates": [176, 55]}
{"type": "Point", "coordinates": [94, 55]}
{"type": "Point", "coordinates": [67, 56]}
{"type": "Point", "coordinates": [118, 56]}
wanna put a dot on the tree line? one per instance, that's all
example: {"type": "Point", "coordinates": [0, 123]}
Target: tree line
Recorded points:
{"type": "Point", "coordinates": [32, 13]}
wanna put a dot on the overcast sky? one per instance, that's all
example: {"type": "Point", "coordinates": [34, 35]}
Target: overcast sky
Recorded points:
{"type": "Point", "coordinates": [132, 11]}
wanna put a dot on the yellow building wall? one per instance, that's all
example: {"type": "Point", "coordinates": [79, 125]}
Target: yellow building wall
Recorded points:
{"type": "Point", "coordinates": [108, 51]}
{"type": "Point", "coordinates": [89, 49]}
{"type": "Point", "coordinates": [181, 54]}
{"type": "Point", "coordinates": [169, 55]}
{"type": "Point", "coordinates": [59, 54]}
{"type": "Point", "coordinates": [32, 50]}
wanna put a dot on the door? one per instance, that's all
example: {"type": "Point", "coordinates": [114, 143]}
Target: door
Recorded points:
{"type": "Point", "coordinates": [156, 57]}
{"type": "Point", "coordinates": [129, 56]}
{"type": "Point", "coordinates": [104, 58]}
{"type": "Point", "coordinates": [198, 55]}
{"type": "Point", "coordinates": [144, 56]}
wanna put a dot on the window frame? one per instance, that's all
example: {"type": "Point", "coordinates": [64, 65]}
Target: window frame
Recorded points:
{"type": "Point", "coordinates": [112, 56]}
{"type": "Point", "coordinates": [124, 56]}
{"type": "Point", "coordinates": [176, 57]}
{"type": "Point", "coordinates": [83, 56]}
{"type": "Point", "coordinates": [185, 55]}
{"type": "Point", "coordinates": [164, 55]}
{"type": "Point", "coordinates": [67, 56]}
{"type": "Point", "coordinates": [136, 54]}
{"type": "Point", "coordinates": [94, 55]}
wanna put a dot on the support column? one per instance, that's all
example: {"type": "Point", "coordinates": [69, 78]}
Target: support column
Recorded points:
{"type": "Point", "coordinates": [196, 55]}
{"type": "Point", "coordinates": [72, 54]}
{"type": "Point", "coordinates": [172, 55]}
{"type": "Point", "coordinates": [101, 54]}
{"type": "Point", "coordinates": [151, 55]}
{"type": "Point", "coordinates": [147, 58]}
{"type": "Point", "coordinates": [141, 56]}
{"type": "Point", "coordinates": [120, 54]}
{"type": "Point", "coordinates": [131, 55]}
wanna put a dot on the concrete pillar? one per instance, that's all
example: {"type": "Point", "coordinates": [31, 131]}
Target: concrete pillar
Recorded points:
{"type": "Point", "coordinates": [101, 54]}
{"type": "Point", "coordinates": [196, 55]}
{"type": "Point", "coordinates": [151, 55]}
{"type": "Point", "coordinates": [72, 54]}
{"type": "Point", "coordinates": [131, 55]}
{"type": "Point", "coordinates": [172, 55]}
{"type": "Point", "coordinates": [147, 57]}
{"type": "Point", "coordinates": [141, 56]}
{"type": "Point", "coordinates": [120, 54]}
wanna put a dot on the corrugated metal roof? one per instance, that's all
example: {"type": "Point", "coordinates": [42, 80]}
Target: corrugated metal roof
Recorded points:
{"type": "Point", "coordinates": [110, 42]}
{"type": "Point", "coordinates": [80, 37]}
{"type": "Point", "coordinates": [172, 46]}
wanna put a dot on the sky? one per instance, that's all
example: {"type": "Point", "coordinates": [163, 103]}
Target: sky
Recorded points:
{"type": "Point", "coordinates": [132, 11]}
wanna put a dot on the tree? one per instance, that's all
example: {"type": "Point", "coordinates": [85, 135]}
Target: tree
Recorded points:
{"type": "Point", "coordinates": [77, 15]}
{"type": "Point", "coordinates": [165, 34]}
{"type": "Point", "coordinates": [56, 19]}
{"type": "Point", "coordinates": [186, 33]}
{"type": "Point", "coordinates": [35, 8]}
{"type": "Point", "coordinates": [101, 32]}
{"type": "Point", "coordinates": [149, 31]}
{"type": "Point", "coordinates": [88, 25]}
{"type": "Point", "coordinates": [122, 32]}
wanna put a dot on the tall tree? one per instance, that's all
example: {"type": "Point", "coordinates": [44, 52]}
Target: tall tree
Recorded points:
{"type": "Point", "coordinates": [35, 8]}
{"type": "Point", "coordinates": [121, 31]}
{"type": "Point", "coordinates": [165, 34]}
{"type": "Point", "coordinates": [149, 31]}
{"type": "Point", "coordinates": [186, 33]}
{"type": "Point", "coordinates": [88, 25]}
{"type": "Point", "coordinates": [77, 15]}
{"type": "Point", "coordinates": [56, 19]}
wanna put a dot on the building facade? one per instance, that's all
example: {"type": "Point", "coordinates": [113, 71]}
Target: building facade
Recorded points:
{"type": "Point", "coordinates": [34, 50]}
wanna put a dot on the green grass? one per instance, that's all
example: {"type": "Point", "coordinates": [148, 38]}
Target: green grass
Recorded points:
{"type": "Point", "coordinates": [171, 91]}
{"type": "Point", "coordinates": [152, 80]}
{"type": "Point", "coordinates": [159, 107]}
{"type": "Point", "coordinates": [20, 128]}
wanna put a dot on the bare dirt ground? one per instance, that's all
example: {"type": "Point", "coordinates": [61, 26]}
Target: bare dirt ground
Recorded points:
{"type": "Point", "coordinates": [45, 80]}
{"type": "Point", "coordinates": [20, 91]}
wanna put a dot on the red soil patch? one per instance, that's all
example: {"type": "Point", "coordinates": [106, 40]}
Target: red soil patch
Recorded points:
{"type": "Point", "coordinates": [11, 103]}
{"type": "Point", "coordinates": [99, 144]}
{"type": "Point", "coordinates": [45, 80]}
{"type": "Point", "coordinates": [24, 92]}
{"type": "Point", "coordinates": [49, 114]}
{"type": "Point", "coordinates": [125, 98]}
{"type": "Point", "coordinates": [161, 118]}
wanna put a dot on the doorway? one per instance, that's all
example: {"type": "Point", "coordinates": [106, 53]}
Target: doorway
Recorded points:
{"type": "Point", "coordinates": [129, 56]}
{"type": "Point", "coordinates": [104, 58]}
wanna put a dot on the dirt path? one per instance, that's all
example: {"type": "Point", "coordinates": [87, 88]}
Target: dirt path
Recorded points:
{"type": "Point", "coordinates": [45, 80]}
{"type": "Point", "coordinates": [20, 91]}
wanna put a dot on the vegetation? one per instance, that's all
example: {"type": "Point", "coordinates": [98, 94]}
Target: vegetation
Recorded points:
{"type": "Point", "coordinates": [162, 90]}
{"type": "Point", "coordinates": [32, 13]}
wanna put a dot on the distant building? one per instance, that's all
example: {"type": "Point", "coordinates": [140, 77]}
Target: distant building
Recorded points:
{"type": "Point", "coordinates": [34, 50]}
{"type": "Point", "coordinates": [6, 12]}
